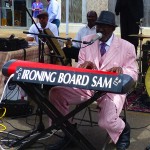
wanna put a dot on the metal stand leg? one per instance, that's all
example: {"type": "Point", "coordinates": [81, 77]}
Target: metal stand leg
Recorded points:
{"type": "Point", "coordinates": [40, 128]}
{"type": "Point", "coordinates": [59, 121]}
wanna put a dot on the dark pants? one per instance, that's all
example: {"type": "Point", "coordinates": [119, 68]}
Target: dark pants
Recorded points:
{"type": "Point", "coordinates": [129, 26]}
{"type": "Point", "coordinates": [57, 23]}
{"type": "Point", "coordinates": [71, 53]}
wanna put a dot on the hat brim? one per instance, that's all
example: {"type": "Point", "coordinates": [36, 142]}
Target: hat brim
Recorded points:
{"type": "Point", "coordinates": [107, 23]}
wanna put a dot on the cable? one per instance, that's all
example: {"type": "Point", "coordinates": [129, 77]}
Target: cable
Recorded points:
{"type": "Point", "coordinates": [11, 76]}
{"type": "Point", "coordinates": [140, 127]}
{"type": "Point", "coordinates": [3, 112]}
{"type": "Point", "coordinates": [12, 134]}
{"type": "Point", "coordinates": [3, 127]}
{"type": "Point", "coordinates": [1, 148]}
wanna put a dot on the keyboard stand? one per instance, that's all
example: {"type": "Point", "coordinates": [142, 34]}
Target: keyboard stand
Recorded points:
{"type": "Point", "coordinates": [59, 121]}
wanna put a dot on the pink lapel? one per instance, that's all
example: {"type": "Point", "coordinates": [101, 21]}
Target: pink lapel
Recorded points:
{"type": "Point", "coordinates": [95, 53]}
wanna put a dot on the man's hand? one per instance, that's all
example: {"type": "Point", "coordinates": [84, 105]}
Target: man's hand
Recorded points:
{"type": "Point", "coordinates": [88, 65]}
{"type": "Point", "coordinates": [31, 39]}
{"type": "Point", "coordinates": [68, 43]}
{"type": "Point", "coordinates": [116, 69]}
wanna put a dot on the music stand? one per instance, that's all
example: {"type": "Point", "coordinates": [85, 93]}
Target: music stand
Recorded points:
{"type": "Point", "coordinates": [55, 47]}
{"type": "Point", "coordinates": [39, 112]}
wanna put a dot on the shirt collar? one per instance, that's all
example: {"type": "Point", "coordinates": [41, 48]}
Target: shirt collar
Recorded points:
{"type": "Point", "coordinates": [109, 41]}
{"type": "Point", "coordinates": [39, 25]}
{"type": "Point", "coordinates": [94, 27]}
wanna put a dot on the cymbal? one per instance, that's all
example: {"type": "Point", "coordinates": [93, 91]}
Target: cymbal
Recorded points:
{"type": "Point", "coordinates": [140, 35]}
{"type": "Point", "coordinates": [147, 81]}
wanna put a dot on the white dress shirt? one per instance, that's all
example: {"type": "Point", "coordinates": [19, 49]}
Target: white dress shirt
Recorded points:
{"type": "Point", "coordinates": [84, 31]}
{"type": "Point", "coordinates": [54, 10]}
{"type": "Point", "coordinates": [108, 43]}
{"type": "Point", "coordinates": [49, 25]}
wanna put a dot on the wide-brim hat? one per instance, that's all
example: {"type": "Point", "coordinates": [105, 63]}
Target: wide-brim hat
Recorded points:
{"type": "Point", "coordinates": [41, 14]}
{"type": "Point", "coordinates": [106, 17]}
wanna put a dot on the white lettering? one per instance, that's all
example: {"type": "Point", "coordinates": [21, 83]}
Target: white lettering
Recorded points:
{"type": "Point", "coordinates": [101, 82]}
{"type": "Point", "coordinates": [85, 80]}
{"type": "Point", "coordinates": [94, 81]}
{"type": "Point", "coordinates": [67, 78]}
{"type": "Point", "coordinates": [78, 79]}
{"type": "Point", "coordinates": [48, 76]}
{"type": "Point", "coordinates": [25, 74]}
{"type": "Point", "coordinates": [53, 77]}
{"type": "Point", "coordinates": [73, 79]}
{"type": "Point", "coordinates": [106, 83]}
{"type": "Point", "coordinates": [32, 75]}
{"type": "Point", "coordinates": [61, 77]}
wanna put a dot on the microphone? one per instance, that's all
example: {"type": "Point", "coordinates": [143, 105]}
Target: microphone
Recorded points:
{"type": "Point", "coordinates": [98, 36]}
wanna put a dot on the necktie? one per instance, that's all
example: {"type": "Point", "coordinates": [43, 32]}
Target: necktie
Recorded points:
{"type": "Point", "coordinates": [103, 50]}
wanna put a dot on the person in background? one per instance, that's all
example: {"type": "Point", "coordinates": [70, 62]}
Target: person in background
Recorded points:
{"type": "Point", "coordinates": [72, 48]}
{"type": "Point", "coordinates": [43, 24]}
{"type": "Point", "coordinates": [37, 7]}
{"type": "Point", "coordinates": [131, 12]}
{"type": "Point", "coordinates": [54, 11]}
{"type": "Point", "coordinates": [112, 54]}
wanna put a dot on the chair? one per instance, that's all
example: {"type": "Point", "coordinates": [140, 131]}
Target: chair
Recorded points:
{"type": "Point", "coordinates": [94, 108]}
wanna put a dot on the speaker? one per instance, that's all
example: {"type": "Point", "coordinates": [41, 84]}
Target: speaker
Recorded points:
{"type": "Point", "coordinates": [11, 44]}
{"type": "Point", "coordinates": [16, 108]}
{"type": "Point", "coordinates": [7, 44]}
{"type": "Point", "coordinates": [13, 92]}
{"type": "Point", "coordinates": [15, 101]}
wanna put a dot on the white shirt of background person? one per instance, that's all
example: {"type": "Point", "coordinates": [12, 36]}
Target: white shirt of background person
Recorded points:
{"type": "Point", "coordinates": [49, 25]}
{"type": "Point", "coordinates": [84, 31]}
{"type": "Point", "coordinates": [54, 10]}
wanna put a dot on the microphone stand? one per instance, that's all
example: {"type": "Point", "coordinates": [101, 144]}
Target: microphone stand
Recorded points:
{"type": "Point", "coordinates": [40, 127]}
{"type": "Point", "coordinates": [41, 43]}
{"type": "Point", "coordinates": [61, 39]}
{"type": "Point", "coordinates": [39, 111]}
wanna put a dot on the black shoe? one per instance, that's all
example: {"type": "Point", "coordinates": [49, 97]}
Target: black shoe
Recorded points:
{"type": "Point", "coordinates": [124, 139]}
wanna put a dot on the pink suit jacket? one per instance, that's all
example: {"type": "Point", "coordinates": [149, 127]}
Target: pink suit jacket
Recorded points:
{"type": "Point", "coordinates": [120, 54]}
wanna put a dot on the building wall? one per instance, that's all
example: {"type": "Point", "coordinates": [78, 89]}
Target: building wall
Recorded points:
{"type": "Point", "coordinates": [87, 5]}
{"type": "Point", "coordinates": [97, 5]}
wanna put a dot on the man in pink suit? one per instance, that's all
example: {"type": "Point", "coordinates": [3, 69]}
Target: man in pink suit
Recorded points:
{"type": "Point", "coordinates": [119, 57]}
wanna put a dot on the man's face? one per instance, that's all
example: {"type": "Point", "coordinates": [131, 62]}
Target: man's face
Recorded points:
{"type": "Point", "coordinates": [43, 21]}
{"type": "Point", "coordinates": [91, 18]}
{"type": "Point", "coordinates": [106, 31]}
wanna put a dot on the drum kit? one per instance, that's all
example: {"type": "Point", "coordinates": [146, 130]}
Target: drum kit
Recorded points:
{"type": "Point", "coordinates": [143, 61]}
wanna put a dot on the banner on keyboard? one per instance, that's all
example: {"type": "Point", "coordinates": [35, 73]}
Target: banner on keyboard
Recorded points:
{"type": "Point", "coordinates": [82, 80]}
